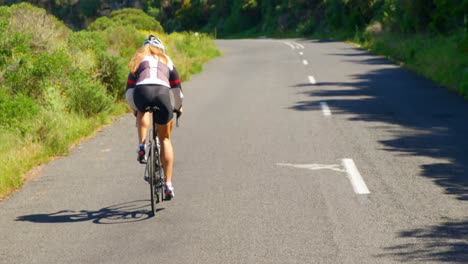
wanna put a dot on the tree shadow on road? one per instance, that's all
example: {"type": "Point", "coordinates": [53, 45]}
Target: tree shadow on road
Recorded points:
{"type": "Point", "coordinates": [422, 120]}
{"type": "Point", "coordinates": [115, 214]}
{"type": "Point", "coordinates": [447, 242]}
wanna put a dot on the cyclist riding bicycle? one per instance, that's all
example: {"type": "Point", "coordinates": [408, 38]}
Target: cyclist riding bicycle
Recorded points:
{"type": "Point", "coordinates": [153, 81]}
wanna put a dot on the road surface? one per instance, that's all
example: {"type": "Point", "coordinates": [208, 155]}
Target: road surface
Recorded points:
{"type": "Point", "coordinates": [289, 151]}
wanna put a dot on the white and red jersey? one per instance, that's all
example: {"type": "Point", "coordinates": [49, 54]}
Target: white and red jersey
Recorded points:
{"type": "Point", "coordinates": [154, 71]}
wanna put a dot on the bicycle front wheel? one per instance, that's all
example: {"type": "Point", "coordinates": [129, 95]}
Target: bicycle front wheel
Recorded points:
{"type": "Point", "coordinates": [159, 178]}
{"type": "Point", "coordinates": [151, 177]}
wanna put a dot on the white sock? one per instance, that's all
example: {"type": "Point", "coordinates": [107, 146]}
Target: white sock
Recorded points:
{"type": "Point", "coordinates": [169, 184]}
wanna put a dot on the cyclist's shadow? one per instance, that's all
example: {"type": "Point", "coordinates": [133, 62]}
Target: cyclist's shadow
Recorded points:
{"type": "Point", "coordinates": [115, 214]}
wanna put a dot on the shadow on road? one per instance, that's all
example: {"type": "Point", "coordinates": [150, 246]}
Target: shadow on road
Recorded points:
{"type": "Point", "coordinates": [447, 242]}
{"type": "Point", "coordinates": [115, 214]}
{"type": "Point", "coordinates": [423, 120]}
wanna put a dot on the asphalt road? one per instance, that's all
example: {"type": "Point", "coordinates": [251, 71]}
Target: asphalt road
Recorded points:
{"type": "Point", "coordinates": [289, 151]}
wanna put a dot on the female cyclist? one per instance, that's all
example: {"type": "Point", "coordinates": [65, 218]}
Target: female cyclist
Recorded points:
{"type": "Point", "coordinates": [153, 81]}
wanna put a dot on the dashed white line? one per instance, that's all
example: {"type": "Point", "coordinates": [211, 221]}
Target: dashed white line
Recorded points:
{"type": "Point", "coordinates": [312, 80]}
{"type": "Point", "coordinates": [305, 62]}
{"type": "Point", "coordinates": [358, 183]}
{"type": "Point", "coordinates": [301, 53]}
{"type": "Point", "coordinates": [299, 46]}
{"type": "Point", "coordinates": [290, 45]}
{"type": "Point", "coordinates": [325, 109]}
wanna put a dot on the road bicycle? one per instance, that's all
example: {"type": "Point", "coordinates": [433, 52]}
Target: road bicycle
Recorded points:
{"type": "Point", "coordinates": [153, 172]}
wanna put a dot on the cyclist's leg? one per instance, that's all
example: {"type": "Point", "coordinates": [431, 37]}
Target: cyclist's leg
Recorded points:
{"type": "Point", "coordinates": [167, 153]}
{"type": "Point", "coordinates": [143, 123]}
{"type": "Point", "coordinates": [143, 96]}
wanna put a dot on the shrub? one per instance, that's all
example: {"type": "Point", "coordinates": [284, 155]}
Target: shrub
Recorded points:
{"type": "Point", "coordinates": [86, 96]}
{"type": "Point", "coordinates": [112, 74]}
{"type": "Point", "coordinates": [101, 24]}
{"type": "Point", "coordinates": [17, 112]}
{"type": "Point", "coordinates": [27, 74]}
{"type": "Point", "coordinates": [83, 46]}
{"type": "Point", "coordinates": [46, 31]}
{"type": "Point", "coordinates": [18, 75]}
{"type": "Point", "coordinates": [54, 98]}
{"type": "Point", "coordinates": [119, 38]}
{"type": "Point", "coordinates": [136, 18]}
{"type": "Point", "coordinates": [87, 40]}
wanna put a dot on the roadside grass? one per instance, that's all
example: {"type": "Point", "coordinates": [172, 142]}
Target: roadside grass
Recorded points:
{"type": "Point", "coordinates": [442, 59]}
{"type": "Point", "coordinates": [190, 51]}
{"type": "Point", "coordinates": [55, 134]}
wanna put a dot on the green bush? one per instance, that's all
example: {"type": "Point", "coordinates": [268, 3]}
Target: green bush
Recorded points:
{"type": "Point", "coordinates": [86, 96]}
{"type": "Point", "coordinates": [112, 74]}
{"type": "Point", "coordinates": [17, 112]}
{"type": "Point", "coordinates": [54, 98]}
{"type": "Point", "coordinates": [52, 66]}
{"type": "Point", "coordinates": [100, 24]}
{"type": "Point", "coordinates": [136, 18]}
{"type": "Point", "coordinates": [119, 38]}
{"type": "Point", "coordinates": [83, 47]}
{"type": "Point", "coordinates": [45, 31]}
{"type": "Point", "coordinates": [27, 75]}
{"type": "Point", "coordinates": [18, 75]}
{"type": "Point", "coordinates": [87, 40]}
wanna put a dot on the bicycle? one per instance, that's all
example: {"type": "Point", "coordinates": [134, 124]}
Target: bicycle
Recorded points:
{"type": "Point", "coordinates": [154, 171]}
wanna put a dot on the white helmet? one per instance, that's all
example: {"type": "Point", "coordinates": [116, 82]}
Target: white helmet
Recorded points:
{"type": "Point", "coordinates": [155, 42]}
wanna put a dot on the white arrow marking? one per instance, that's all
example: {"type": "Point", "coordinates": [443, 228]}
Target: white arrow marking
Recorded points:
{"type": "Point", "coordinates": [359, 186]}
{"type": "Point", "coordinates": [334, 167]}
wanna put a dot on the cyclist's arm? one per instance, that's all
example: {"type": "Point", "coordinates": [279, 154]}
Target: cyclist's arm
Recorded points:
{"type": "Point", "coordinates": [176, 88]}
{"type": "Point", "coordinates": [131, 81]}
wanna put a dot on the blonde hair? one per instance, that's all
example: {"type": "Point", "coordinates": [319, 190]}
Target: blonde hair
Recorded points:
{"type": "Point", "coordinates": [146, 50]}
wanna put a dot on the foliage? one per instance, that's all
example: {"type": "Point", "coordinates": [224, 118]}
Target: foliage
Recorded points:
{"type": "Point", "coordinates": [88, 7]}
{"type": "Point", "coordinates": [17, 112]}
{"type": "Point", "coordinates": [190, 51]}
{"type": "Point", "coordinates": [135, 18]}
{"type": "Point", "coordinates": [422, 54]}
{"type": "Point", "coordinates": [45, 32]}
{"type": "Point", "coordinates": [268, 16]}
{"type": "Point", "coordinates": [87, 96]}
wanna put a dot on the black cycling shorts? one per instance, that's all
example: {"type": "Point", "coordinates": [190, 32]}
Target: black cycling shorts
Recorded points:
{"type": "Point", "coordinates": [154, 95]}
